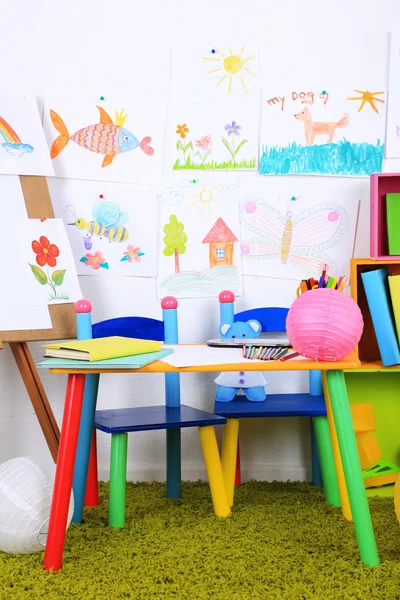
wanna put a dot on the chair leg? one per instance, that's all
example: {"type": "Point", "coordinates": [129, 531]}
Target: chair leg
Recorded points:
{"type": "Point", "coordinates": [212, 460]}
{"type": "Point", "coordinates": [229, 456]}
{"type": "Point", "coordinates": [323, 442]}
{"type": "Point", "coordinates": [316, 475]}
{"type": "Point", "coordinates": [116, 510]}
{"type": "Point", "coordinates": [173, 463]}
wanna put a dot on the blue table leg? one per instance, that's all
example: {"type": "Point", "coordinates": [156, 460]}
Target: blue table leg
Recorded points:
{"type": "Point", "coordinates": [172, 396]}
{"type": "Point", "coordinates": [84, 443]}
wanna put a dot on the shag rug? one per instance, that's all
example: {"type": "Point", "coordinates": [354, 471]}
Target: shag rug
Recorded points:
{"type": "Point", "coordinates": [282, 542]}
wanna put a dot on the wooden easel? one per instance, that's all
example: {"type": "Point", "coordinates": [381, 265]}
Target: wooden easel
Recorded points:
{"type": "Point", "coordinates": [38, 205]}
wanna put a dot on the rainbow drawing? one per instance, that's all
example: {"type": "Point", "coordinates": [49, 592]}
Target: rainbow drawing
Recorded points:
{"type": "Point", "coordinates": [13, 144]}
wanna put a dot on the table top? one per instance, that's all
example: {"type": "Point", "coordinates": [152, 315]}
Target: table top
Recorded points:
{"type": "Point", "coordinates": [349, 363]}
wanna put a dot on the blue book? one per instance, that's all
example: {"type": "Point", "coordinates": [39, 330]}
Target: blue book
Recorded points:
{"type": "Point", "coordinates": [376, 287]}
{"type": "Point", "coordinates": [127, 362]}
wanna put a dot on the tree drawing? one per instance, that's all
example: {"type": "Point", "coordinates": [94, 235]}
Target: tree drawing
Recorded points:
{"type": "Point", "coordinates": [174, 240]}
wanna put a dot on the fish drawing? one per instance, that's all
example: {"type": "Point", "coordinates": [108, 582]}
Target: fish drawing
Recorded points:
{"type": "Point", "coordinates": [105, 137]}
{"type": "Point", "coordinates": [12, 142]}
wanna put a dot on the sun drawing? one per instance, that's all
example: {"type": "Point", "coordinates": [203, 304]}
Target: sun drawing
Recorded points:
{"type": "Point", "coordinates": [368, 97]}
{"type": "Point", "coordinates": [205, 199]}
{"type": "Point", "coordinates": [231, 65]}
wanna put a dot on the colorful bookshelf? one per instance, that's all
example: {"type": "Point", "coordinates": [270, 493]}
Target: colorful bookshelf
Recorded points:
{"type": "Point", "coordinates": [380, 185]}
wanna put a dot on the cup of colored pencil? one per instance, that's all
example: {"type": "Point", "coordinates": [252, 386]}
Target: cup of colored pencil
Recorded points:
{"type": "Point", "coordinates": [267, 353]}
{"type": "Point", "coordinates": [324, 281]}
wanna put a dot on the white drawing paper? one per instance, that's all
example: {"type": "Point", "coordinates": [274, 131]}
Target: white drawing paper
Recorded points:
{"type": "Point", "coordinates": [19, 308]}
{"type": "Point", "coordinates": [119, 138]}
{"type": "Point", "coordinates": [199, 232]}
{"type": "Point", "coordinates": [47, 260]}
{"type": "Point", "coordinates": [23, 146]}
{"type": "Point", "coordinates": [313, 131]}
{"type": "Point", "coordinates": [393, 119]}
{"type": "Point", "coordinates": [214, 108]}
{"type": "Point", "coordinates": [291, 232]}
{"type": "Point", "coordinates": [113, 231]}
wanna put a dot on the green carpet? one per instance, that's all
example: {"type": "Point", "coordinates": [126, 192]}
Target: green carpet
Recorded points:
{"type": "Point", "coordinates": [282, 542]}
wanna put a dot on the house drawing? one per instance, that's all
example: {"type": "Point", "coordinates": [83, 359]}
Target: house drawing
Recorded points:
{"type": "Point", "coordinates": [221, 240]}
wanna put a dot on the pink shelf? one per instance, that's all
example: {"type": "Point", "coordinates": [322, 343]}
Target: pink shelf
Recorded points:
{"type": "Point", "coordinates": [380, 185]}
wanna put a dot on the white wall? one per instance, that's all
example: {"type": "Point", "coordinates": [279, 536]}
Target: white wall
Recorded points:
{"type": "Point", "coordinates": [97, 45]}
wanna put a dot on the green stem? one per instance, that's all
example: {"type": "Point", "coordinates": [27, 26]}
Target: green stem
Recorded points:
{"type": "Point", "coordinates": [50, 283]}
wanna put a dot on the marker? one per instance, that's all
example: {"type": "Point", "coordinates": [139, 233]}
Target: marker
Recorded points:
{"type": "Point", "coordinates": [321, 282]}
{"type": "Point", "coordinates": [259, 352]}
{"type": "Point", "coordinates": [289, 356]}
{"type": "Point", "coordinates": [282, 353]}
{"type": "Point", "coordinates": [248, 352]}
{"type": "Point", "coordinates": [324, 271]}
{"type": "Point", "coordinates": [264, 353]}
{"type": "Point", "coordinates": [342, 284]}
{"type": "Point", "coordinates": [253, 352]}
{"type": "Point", "coordinates": [244, 351]}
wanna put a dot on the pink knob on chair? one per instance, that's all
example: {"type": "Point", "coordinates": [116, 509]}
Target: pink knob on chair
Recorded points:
{"type": "Point", "coordinates": [226, 296]}
{"type": "Point", "coordinates": [169, 302]}
{"type": "Point", "coordinates": [83, 306]}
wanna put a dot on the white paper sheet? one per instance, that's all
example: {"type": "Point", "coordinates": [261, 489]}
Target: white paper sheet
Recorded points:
{"type": "Point", "coordinates": [291, 232]}
{"type": "Point", "coordinates": [126, 147]}
{"type": "Point", "coordinates": [21, 317]}
{"type": "Point", "coordinates": [47, 260]}
{"type": "Point", "coordinates": [199, 232]}
{"type": "Point", "coordinates": [392, 149]}
{"type": "Point", "coordinates": [194, 356]}
{"type": "Point", "coordinates": [127, 215]}
{"type": "Point", "coordinates": [214, 109]}
{"type": "Point", "coordinates": [23, 146]}
{"type": "Point", "coordinates": [310, 131]}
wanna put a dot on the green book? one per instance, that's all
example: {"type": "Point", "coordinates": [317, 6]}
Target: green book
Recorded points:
{"type": "Point", "coordinates": [393, 223]}
{"type": "Point", "coordinates": [127, 362]}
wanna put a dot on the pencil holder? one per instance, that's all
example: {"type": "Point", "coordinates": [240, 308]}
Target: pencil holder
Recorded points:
{"type": "Point", "coordinates": [324, 325]}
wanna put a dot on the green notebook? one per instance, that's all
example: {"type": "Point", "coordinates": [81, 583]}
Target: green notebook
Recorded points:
{"type": "Point", "coordinates": [393, 223]}
{"type": "Point", "coordinates": [129, 362]}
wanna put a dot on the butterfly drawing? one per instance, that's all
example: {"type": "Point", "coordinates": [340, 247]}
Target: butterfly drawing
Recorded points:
{"type": "Point", "coordinates": [300, 240]}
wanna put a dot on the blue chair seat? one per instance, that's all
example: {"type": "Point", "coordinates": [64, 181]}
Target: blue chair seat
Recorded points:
{"type": "Point", "coordinates": [276, 405]}
{"type": "Point", "coordinates": [147, 418]}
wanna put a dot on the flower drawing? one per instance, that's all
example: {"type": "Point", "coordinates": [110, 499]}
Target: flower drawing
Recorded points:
{"type": "Point", "coordinates": [46, 253]}
{"type": "Point", "coordinates": [204, 142]}
{"type": "Point", "coordinates": [233, 129]}
{"type": "Point", "coordinates": [95, 261]}
{"type": "Point", "coordinates": [182, 130]}
{"type": "Point", "coordinates": [132, 254]}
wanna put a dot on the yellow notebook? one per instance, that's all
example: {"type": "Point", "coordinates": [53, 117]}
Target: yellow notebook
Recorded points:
{"type": "Point", "coordinates": [101, 348]}
{"type": "Point", "coordinates": [394, 287]}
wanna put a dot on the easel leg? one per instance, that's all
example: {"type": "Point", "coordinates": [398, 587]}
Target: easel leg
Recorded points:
{"type": "Point", "coordinates": [37, 395]}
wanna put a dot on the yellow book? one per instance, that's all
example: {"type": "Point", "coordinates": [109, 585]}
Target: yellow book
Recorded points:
{"type": "Point", "coordinates": [101, 348]}
{"type": "Point", "coordinates": [394, 287]}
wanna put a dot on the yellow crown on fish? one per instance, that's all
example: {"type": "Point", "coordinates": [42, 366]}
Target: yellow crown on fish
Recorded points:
{"type": "Point", "coordinates": [120, 118]}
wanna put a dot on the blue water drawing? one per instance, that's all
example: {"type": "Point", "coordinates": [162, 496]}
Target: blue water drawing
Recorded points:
{"type": "Point", "coordinates": [341, 158]}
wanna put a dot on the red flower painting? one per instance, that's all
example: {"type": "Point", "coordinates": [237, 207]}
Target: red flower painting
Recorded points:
{"type": "Point", "coordinates": [46, 253]}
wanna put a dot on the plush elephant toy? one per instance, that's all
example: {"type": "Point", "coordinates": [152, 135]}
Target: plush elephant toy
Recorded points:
{"type": "Point", "coordinates": [252, 383]}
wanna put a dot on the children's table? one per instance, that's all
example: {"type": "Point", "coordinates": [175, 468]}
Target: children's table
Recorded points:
{"type": "Point", "coordinates": [340, 425]}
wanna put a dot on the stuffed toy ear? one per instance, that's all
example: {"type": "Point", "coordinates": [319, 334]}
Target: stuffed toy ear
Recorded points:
{"type": "Point", "coordinates": [224, 328]}
{"type": "Point", "coordinates": [255, 325]}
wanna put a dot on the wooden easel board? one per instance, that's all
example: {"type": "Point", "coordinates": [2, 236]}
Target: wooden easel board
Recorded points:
{"type": "Point", "coordinates": [38, 205]}
{"type": "Point", "coordinates": [63, 319]}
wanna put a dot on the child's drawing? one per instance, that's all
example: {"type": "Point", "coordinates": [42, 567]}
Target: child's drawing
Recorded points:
{"type": "Point", "coordinates": [199, 251]}
{"type": "Point", "coordinates": [129, 139]}
{"type": "Point", "coordinates": [45, 250]}
{"type": "Point", "coordinates": [114, 233]}
{"type": "Point", "coordinates": [392, 148]}
{"type": "Point", "coordinates": [106, 137]}
{"type": "Point", "coordinates": [336, 135]}
{"type": "Point", "coordinates": [230, 66]}
{"type": "Point", "coordinates": [294, 237]}
{"type": "Point", "coordinates": [23, 146]}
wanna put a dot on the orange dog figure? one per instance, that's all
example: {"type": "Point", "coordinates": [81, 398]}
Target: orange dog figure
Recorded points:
{"type": "Point", "coordinates": [312, 129]}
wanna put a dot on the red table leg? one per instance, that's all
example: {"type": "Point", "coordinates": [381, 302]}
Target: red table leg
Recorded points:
{"type": "Point", "coordinates": [64, 472]}
{"type": "Point", "coordinates": [238, 476]}
{"type": "Point", "coordinates": [92, 485]}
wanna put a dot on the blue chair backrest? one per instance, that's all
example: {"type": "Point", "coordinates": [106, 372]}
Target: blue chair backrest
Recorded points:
{"type": "Point", "coordinates": [271, 318]}
{"type": "Point", "coordinates": [136, 327]}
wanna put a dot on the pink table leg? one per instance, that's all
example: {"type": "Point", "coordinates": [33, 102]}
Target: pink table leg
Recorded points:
{"type": "Point", "coordinates": [92, 485]}
{"type": "Point", "coordinates": [64, 472]}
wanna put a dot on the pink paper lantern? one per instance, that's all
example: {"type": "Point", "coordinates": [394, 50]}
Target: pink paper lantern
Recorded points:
{"type": "Point", "coordinates": [324, 324]}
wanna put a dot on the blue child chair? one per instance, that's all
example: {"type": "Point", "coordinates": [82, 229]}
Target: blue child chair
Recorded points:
{"type": "Point", "coordinates": [311, 404]}
{"type": "Point", "coordinates": [171, 416]}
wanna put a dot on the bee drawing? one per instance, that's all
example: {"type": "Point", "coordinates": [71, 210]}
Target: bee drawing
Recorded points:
{"type": "Point", "coordinates": [108, 222]}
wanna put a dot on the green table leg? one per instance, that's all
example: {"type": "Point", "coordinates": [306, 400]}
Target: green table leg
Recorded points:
{"type": "Point", "coordinates": [329, 479]}
{"type": "Point", "coordinates": [352, 468]}
{"type": "Point", "coordinates": [116, 509]}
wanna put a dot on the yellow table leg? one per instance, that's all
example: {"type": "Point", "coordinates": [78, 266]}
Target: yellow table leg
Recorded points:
{"type": "Point", "coordinates": [212, 460]}
{"type": "Point", "coordinates": [229, 456]}
{"type": "Point", "coordinates": [344, 497]}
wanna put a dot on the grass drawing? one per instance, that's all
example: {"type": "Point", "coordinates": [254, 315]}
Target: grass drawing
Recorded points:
{"type": "Point", "coordinates": [341, 158]}
{"type": "Point", "coordinates": [207, 283]}
{"type": "Point", "coordinates": [249, 163]}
